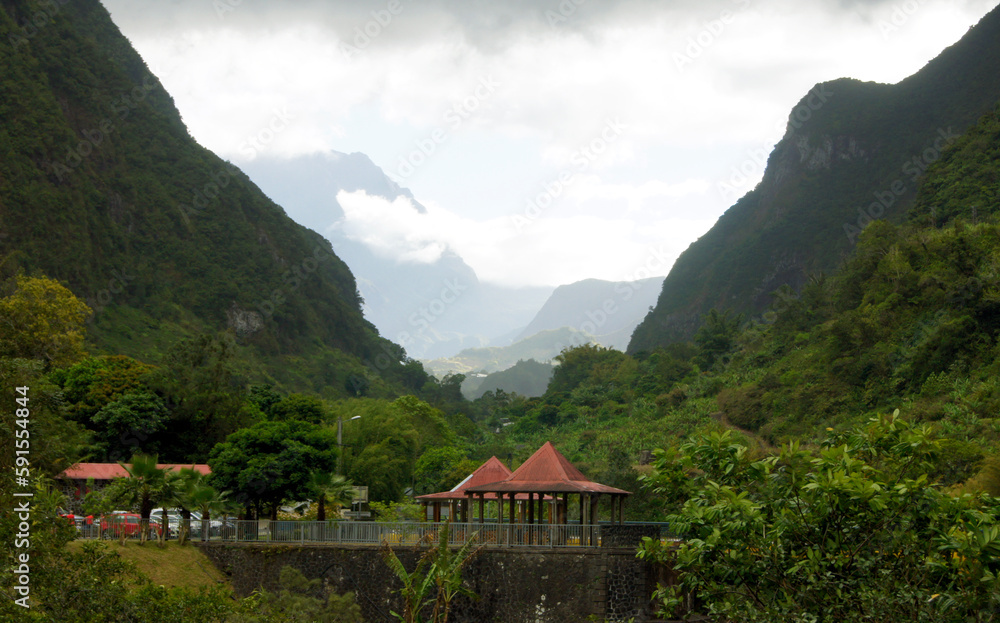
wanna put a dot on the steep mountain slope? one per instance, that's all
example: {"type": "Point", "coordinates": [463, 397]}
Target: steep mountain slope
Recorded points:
{"type": "Point", "coordinates": [101, 186]}
{"type": "Point", "coordinates": [433, 309]}
{"type": "Point", "coordinates": [852, 152]}
{"type": "Point", "coordinates": [607, 310]}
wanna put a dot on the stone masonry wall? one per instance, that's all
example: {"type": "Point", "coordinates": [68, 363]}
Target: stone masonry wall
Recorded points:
{"type": "Point", "coordinates": [514, 585]}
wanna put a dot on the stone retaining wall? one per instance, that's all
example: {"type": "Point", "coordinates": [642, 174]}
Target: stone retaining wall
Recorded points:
{"type": "Point", "coordinates": [514, 585]}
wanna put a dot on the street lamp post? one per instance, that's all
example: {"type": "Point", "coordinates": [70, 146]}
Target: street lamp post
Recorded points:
{"type": "Point", "coordinates": [340, 443]}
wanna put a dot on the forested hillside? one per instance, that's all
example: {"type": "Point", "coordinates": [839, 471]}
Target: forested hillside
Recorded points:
{"type": "Point", "coordinates": [852, 152]}
{"type": "Point", "coordinates": [102, 187]}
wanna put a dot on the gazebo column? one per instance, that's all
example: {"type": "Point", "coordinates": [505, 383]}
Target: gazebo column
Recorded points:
{"type": "Point", "coordinates": [594, 502]}
{"type": "Point", "coordinates": [621, 509]}
{"type": "Point", "coordinates": [482, 508]}
{"type": "Point", "coordinates": [512, 502]}
{"type": "Point", "coordinates": [437, 511]}
{"type": "Point", "coordinates": [531, 507]}
{"type": "Point", "coordinates": [564, 509]}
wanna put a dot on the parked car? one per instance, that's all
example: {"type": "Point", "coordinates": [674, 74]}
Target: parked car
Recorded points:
{"type": "Point", "coordinates": [114, 525]}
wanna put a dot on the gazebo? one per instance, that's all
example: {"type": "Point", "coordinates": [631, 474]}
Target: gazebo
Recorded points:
{"type": "Point", "coordinates": [456, 499]}
{"type": "Point", "coordinates": [548, 474]}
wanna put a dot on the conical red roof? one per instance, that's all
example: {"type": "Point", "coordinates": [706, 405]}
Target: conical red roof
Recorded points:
{"type": "Point", "coordinates": [493, 470]}
{"type": "Point", "coordinates": [546, 471]}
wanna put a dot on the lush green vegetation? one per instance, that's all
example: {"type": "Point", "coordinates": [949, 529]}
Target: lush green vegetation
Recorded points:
{"type": "Point", "coordinates": [852, 152]}
{"type": "Point", "coordinates": [103, 189]}
{"type": "Point", "coordinates": [852, 531]}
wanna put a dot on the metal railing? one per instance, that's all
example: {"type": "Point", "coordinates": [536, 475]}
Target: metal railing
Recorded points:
{"type": "Point", "coordinates": [399, 534]}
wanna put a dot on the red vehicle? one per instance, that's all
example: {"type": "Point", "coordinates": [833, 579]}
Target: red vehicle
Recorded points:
{"type": "Point", "coordinates": [115, 525]}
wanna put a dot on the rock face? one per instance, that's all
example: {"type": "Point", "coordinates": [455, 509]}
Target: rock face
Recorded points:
{"type": "Point", "coordinates": [852, 152]}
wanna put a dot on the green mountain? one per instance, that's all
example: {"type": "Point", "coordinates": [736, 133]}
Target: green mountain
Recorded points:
{"type": "Point", "coordinates": [853, 152]}
{"type": "Point", "coordinates": [525, 378]}
{"type": "Point", "coordinates": [607, 310]}
{"type": "Point", "coordinates": [542, 346]}
{"type": "Point", "coordinates": [911, 321]}
{"type": "Point", "coordinates": [102, 187]}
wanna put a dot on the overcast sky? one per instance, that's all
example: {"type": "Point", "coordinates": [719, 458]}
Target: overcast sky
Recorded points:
{"type": "Point", "coordinates": [550, 140]}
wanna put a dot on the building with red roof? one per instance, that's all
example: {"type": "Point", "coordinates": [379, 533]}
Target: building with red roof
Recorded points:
{"type": "Point", "coordinates": [82, 478]}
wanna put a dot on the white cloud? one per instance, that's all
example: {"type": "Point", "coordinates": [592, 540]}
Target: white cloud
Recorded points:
{"type": "Point", "coordinates": [558, 85]}
{"type": "Point", "coordinates": [551, 250]}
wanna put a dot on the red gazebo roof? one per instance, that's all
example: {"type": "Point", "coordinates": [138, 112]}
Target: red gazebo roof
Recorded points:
{"type": "Point", "coordinates": [493, 470]}
{"type": "Point", "coordinates": [546, 471]}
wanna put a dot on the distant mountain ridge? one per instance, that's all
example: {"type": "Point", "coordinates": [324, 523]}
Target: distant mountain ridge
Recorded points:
{"type": "Point", "coordinates": [541, 347]}
{"type": "Point", "coordinates": [609, 311]}
{"type": "Point", "coordinates": [432, 309]}
{"type": "Point", "coordinates": [852, 152]}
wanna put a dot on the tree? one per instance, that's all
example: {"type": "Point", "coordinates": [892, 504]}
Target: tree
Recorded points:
{"type": "Point", "coordinates": [208, 501]}
{"type": "Point", "coordinates": [131, 424]}
{"type": "Point", "coordinates": [332, 489]}
{"type": "Point", "coordinates": [142, 489]}
{"type": "Point", "coordinates": [851, 532]}
{"type": "Point", "coordinates": [295, 601]}
{"type": "Point", "coordinates": [41, 319]}
{"type": "Point", "coordinates": [299, 407]}
{"type": "Point", "coordinates": [716, 336]}
{"type": "Point", "coordinates": [577, 364]}
{"type": "Point", "coordinates": [271, 462]}
{"type": "Point", "coordinates": [202, 388]}
{"type": "Point", "coordinates": [435, 468]}
{"type": "Point", "coordinates": [440, 570]}
{"type": "Point", "coordinates": [383, 444]}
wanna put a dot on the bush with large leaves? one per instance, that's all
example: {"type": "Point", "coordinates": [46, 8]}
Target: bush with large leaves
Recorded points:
{"type": "Point", "coordinates": [852, 532]}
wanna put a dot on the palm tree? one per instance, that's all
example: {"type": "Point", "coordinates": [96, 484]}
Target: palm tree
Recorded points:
{"type": "Point", "coordinates": [332, 489]}
{"type": "Point", "coordinates": [207, 499]}
{"type": "Point", "coordinates": [189, 480]}
{"type": "Point", "coordinates": [143, 487]}
{"type": "Point", "coordinates": [171, 491]}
